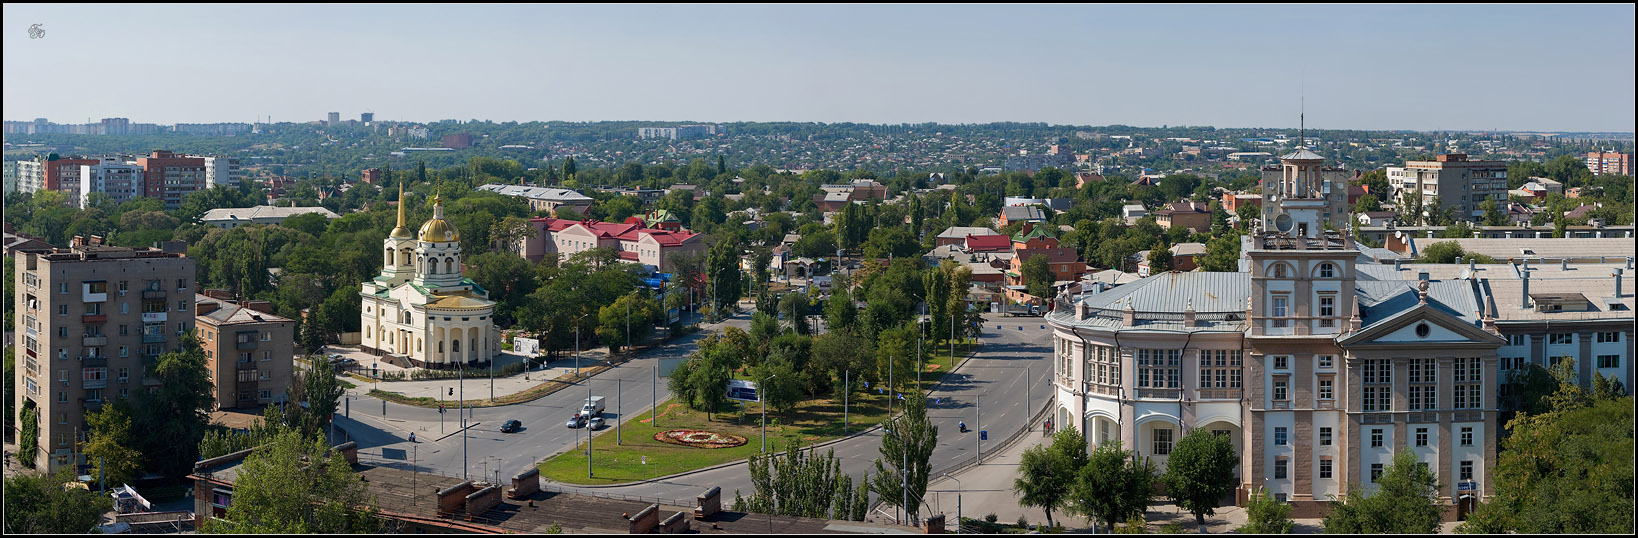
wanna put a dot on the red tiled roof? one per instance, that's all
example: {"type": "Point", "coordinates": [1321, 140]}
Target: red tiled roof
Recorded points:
{"type": "Point", "coordinates": [987, 242]}
{"type": "Point", "coordinates": [627, 231]}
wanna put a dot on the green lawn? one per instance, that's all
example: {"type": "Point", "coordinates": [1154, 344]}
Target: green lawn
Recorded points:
{"type": "Point", "coordinates": [812, 422]}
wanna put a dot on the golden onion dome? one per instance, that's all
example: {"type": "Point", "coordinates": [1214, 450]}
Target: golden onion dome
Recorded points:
{"type": "Point", "coordinates": [439, 230]}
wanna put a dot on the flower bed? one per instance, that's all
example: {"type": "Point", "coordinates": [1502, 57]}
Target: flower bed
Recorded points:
{"type": "Point", "coordinates": [699, 438]}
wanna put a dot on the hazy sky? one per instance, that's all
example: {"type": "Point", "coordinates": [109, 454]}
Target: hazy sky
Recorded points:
{"type": "Point", "coordinates": [1544, 67]}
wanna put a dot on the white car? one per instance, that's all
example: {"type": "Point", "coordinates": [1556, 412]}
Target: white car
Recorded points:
{"type": "Point", "coordinates": [596, 423]}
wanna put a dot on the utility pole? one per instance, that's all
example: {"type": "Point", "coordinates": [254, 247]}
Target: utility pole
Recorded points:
{"type": "Point", "coordinates": [978, 413]}
{"type": "Point", "coordinates": [654, 395]}
{"type": "Point", "coordinates": [846, 384]}
{"type": "Point", "coordinates": [462, 412]}
{"type": "Point", "coordinates": [619, 409]}
{"type": "Point", "coordinates": [762, 398]}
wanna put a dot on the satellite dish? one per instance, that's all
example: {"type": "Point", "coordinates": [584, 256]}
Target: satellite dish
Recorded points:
{"type": "Point", "coordinates": [1283, 223]}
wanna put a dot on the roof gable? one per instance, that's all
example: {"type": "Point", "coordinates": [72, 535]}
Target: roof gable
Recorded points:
{"type": "Point", "coordinates": [1404, 328]}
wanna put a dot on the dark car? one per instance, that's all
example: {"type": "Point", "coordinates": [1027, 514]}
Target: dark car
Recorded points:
{"type": "Point", "coordinates": [511, 426]}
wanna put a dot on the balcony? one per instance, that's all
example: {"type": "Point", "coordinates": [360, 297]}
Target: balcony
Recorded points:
{"type": "Point", "coordinates": [94, 383]}
{"type": "Point", "coordinates": [243, 346]}
{"type": "Point", "coordinates": [154, 294]}
{"type": "Point", "coordinates": [1158, 394]}
{"type": "Point", "coordinates": [244, 365]}
{"type": "Point", "coordinates": [153, 338]}
{"type": "Point", "coordinates": [94, 319]}
{"type": "Point", "coordinates": [1220, 394]}
{"type": "Point", "coordinates": [89, 297]}
{"type": "Point", "coordinates": [94, 361]}
{"type": "Point", "coordinates": [153, 317]}
{"type": "Point", "coordinates": [91, 341]}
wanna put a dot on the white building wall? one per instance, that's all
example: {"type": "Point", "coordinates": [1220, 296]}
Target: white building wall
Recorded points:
{"type": "Point", "coordinates": [1324, 487]}
{"type": "Point", "coordinates": [1273, 452]}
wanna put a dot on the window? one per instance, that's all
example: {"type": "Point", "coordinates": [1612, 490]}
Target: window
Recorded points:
{"type": "Point", "coordinates": [124, 374]}
{"type": "Point", "coordinates": [1279, 469]}
{"type": "Point", "coordinates": [1280, 271]}
{"type": "Point", "coordinates": [1467, 436]}
{"type": "Point", "coordinates": [1163, 441]}
{"type": "Point", "coordinates": [1282, 362]}
{"type": "Point", "coordinates": [1325, 436]}
{"type": "Point", "coordinates": [1609, 361]}
{"type": "Point", "coordinates": [1421, 437]}
{"type": "Point", "coordinates": [1327, 309]}
{"type": "Point", "coordinates": [1325, 392]}
{"type": "Point", "coordinates": [1467, 471]}
{"type": "Point", "coordinates": [125, 308]}
{"type": "Point", "coordinates": [1279, 390]}
{"type": "Point", "coordinates": [1376, 437]}
{"type": "Point", "coordinates": [1376, 472]}
{"type": "Point", "coordinates": [1560, 338]}
{"type": "Point", "coordinates": [1325, 469]}
{"type": "Point", "coordinates": [1609, 337]}
{"type": "Point", "coordinates": [1280, 307]}
{"type": "Point", "coordinates": [1515, 339]}
{"type": "Point", "coordinates": [181, 284]}
{"type": "Point", "coordinates": [62, 288]}
{"type": "Point", "coordinates": [1327, 270]}
{"type": "Point", "coordinates": [1327, 361]}
{"type": "Point", "coordinates": [1220, 368]}
{"type": "Point", "coordinates": [267, 336]}
{"type": "Point", "coordinates": [62, 310]}
{"type": "Point", "coordinates": [1279, 435]}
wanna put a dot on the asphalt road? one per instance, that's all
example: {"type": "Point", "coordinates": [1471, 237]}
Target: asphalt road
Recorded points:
{"type": "Point", "coordinates": [991, 392]}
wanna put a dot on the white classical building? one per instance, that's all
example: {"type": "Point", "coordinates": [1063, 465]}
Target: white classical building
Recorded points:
{"type": "Point", "coordinates": [420, 311]}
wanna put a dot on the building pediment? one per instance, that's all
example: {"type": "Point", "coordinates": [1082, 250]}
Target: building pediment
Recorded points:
{"type": "Point", "coordinates": [1421, 326]}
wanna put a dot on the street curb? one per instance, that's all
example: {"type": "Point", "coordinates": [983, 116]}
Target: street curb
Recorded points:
{"type": "Point", "coordinates": [737, 462]}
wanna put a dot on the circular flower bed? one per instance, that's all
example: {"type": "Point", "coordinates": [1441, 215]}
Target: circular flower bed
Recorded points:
{"type": "Point", "coordinates": [699, 438]}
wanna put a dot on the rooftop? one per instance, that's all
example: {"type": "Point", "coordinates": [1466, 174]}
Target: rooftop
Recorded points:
{"type": "Point", "coordinates": [262, 212]}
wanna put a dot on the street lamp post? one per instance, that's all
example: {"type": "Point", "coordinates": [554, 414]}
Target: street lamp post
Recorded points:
{"type": "Point", "coordinates": [762, 397]}
{"type": "Point", "coordinates": [958, 501]}
{"type": "Point", "coordinates": [577, 343]}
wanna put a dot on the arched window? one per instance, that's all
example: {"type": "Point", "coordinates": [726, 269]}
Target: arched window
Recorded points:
{"type": "Point", "coordinates": [1280, 271]}
{"type": "Point", "coordinates": [1327, 270]}
{"type": "Point", "coordinates": [455, 346]}
{"type": "Point", "coordinates": [368, 333]}
{"type": "Point", "coordinates": [389, 256]}
{"type": "Point", "coordinates": [432, 268]}
{"type": "Point", "coordinates": [449, 265]}
{"type": "Point", "coordinates": [440, 346]}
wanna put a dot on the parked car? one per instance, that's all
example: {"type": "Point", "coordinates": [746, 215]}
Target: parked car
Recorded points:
{"type": "Point", "coordinates": [511, 426]}
{"type": "Point", "coordinates": [576, 421]}
{"type": "Point", "coordinates": [596, 423]}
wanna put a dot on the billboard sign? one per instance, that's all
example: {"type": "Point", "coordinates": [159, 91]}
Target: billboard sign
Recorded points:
{"type": "Point", "coordinates": [527, 347]}
{"type": "Point", "coordinates": [741, 390]}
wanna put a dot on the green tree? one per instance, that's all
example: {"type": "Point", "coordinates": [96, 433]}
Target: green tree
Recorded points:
{"type": "Point", "coordinates": [171, 417]}
{"type": "Point", "coordinates": [907, 446]}
{"type": "Point", "coordinates": [40, 504]}
{"type": "Point", "coordinates": [1200, 471]}
{"type": "Point", "coordinates": [1564, 471]}
{"type": "Point", "coordinates": [28, 435]}
{"type": "Point", "coordinates": [1046, 474]}
{"type": "Point", "coordinates": [1160, 260]}
{"type": "Point", "coordinates": [1222, 254]}
{"type": "Point", "coordinates": [1038, 277]}
{"type": "Point", "coordinates": [568, 169]}
{"type": "Point", "coordinates": [1266, 515]}
{"type": "Point", "coordinates": [1493, 213]}
{"type": "Point", "coordinates": [797, 483]}
{"type": "Point", "coordinates": [297, 485]}
{"type": "Point", "coordinates": [637, 310]}
{"type": "Point", "coordinates": [1404, 501]}
{"type": "Point", "coordinates": [891, 242]}
{"type": "Point", "coordinates": [727, 282]}
{"type": "Point", "coordinates": [1115, 484]}
{"type": "Point", "coordinates": [111, 447]}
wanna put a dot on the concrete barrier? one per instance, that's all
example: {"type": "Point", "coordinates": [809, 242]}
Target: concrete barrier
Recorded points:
{"type": "Point", "coordinates": [645, 520]}
{"type": "Point", "coordinates": [708, 503]}
{"type": "Point", "coordinates": [676, 524]}
{"type": "Point", "coordinates": [525, 484]}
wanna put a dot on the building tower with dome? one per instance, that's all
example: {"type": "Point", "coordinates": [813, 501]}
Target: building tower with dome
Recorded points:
{"type": "Point", "coordinates": [421, 311]}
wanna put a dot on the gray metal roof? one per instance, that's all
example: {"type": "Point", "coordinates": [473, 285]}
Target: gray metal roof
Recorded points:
{"type": "Point", "coordinates": [536, 193]}
{"type": "Point", "coordinates": [1173, 291]}
{"type": "Point", "coordinates": [1383, 299]}
{"type": "Point", "coordinates": [1302, 154]}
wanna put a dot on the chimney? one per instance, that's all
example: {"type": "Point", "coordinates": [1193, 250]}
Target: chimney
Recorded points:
{"type": "Point", "coordinates": [1617, 274]}
{"type": "Point", "coordinates": [1524, 293]}
{"type": "Point", "coordinates": [1128, 316]}
{"type": "Point", "coordinates": [1564, 264]}
{"type": "Point", "coordinates": [201, 308]}
{"type": "Point", "coordinates": [259, 306]}
{"type": "Point", "coordinates": [1188, 314]}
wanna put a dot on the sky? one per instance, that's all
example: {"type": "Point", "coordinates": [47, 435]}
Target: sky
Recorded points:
{"type": "Point", "coordinates": [1420, 67]}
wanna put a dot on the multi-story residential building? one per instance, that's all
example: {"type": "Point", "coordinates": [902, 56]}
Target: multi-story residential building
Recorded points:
{"type": "Point", "coordinates": [1195, 216]}
{"type": "Point", "coordinates": [1458, 183]}
{"type": "Point", "coordinates": [681, 132]}
{"type": "Point", "coordinates": [366, 117]}
{"type": "Point", "coordinates": [10, 169]}
{"type": "Point", "coordinates": [169, 177]}
{"type": "Point", "coordinates": [1605, 162]}
{"type": "Point", "coordinates": [89, 319]}
{"type": "Point", "coordinates": [1035, 240]}
{"type": "Point", "coordinates": [653, 248]}
{"type": "Point", "coordinates": [1317, 365]}
{"type": "Point", "coordinates": [373, 176]}
{"type": "Point", "coordinates": [333, 118]}
{"type": "Point", "coordinates": [220, 170]}
{"type": "Point", "coordinates": [52, 173]}
{"type": "Point", "coordinates": [544, 198]}
{"type": "Point", "coordinates": [120, 181]}
{"type": "Point", "coordinates": [249, 351]}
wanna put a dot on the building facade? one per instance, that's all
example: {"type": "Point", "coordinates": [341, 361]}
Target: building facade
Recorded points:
{"type": "Point", "coordinates": [420, 311]}
{"type": "Point", "coordinates": [1605, 162]}
{"type": "Point", "coordinates": [633, 240]}
{"type": "Point", "coordinates": [89, 319]}
{"type": "Point", "coordinates": [169, 177]}
{"type": "Point", "coordinates": [120, 181]}
{"type": "Point", "coordinates": [1458, 183]}
{"type": "Point", "coordinates": [52, 173]}
{"type": "Point", "coordinates": [544, 198]}
{"type": "Point", "coordinates": [249, 351]}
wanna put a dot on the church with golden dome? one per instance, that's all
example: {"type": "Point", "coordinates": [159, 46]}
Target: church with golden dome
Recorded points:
{"type": "Point", "coordinates": [420, 311]}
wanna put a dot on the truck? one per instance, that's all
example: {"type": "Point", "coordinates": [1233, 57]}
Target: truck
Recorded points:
{"type": "Point", "coordinates": [592, 407]}
{"type": "Point", "coordinates": [1022, 310]}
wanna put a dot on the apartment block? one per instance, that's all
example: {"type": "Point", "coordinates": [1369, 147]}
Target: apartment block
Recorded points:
{"type": "Point", "coordinates": [1605, 162]}
{"type": "Point", "coordinates": [220, 170]}
{"type": "Point", "coordinates": [250, 351]}
{"type": "Point", "coordinates": [89, 319]}
{"type": "Point", "coordinates": [52, 173]}
{"type": "Point", "coordinates": [120, 181]}
{"type": "Point", "coordinates": [170, 177]}
{"type": "Point", "coordinates": [1458, 183]}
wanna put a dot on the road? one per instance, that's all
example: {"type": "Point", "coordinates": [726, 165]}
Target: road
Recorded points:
{"type": "Point", "coordinates": [439, 448]}
{"type": "Point", "coordinates": [993, 383]}
{"type": "Point", "coordinates": [990, 392]}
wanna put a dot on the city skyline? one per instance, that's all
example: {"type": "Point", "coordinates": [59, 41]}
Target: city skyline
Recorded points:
{"type": "Point", "coordinates": [862, 64]}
